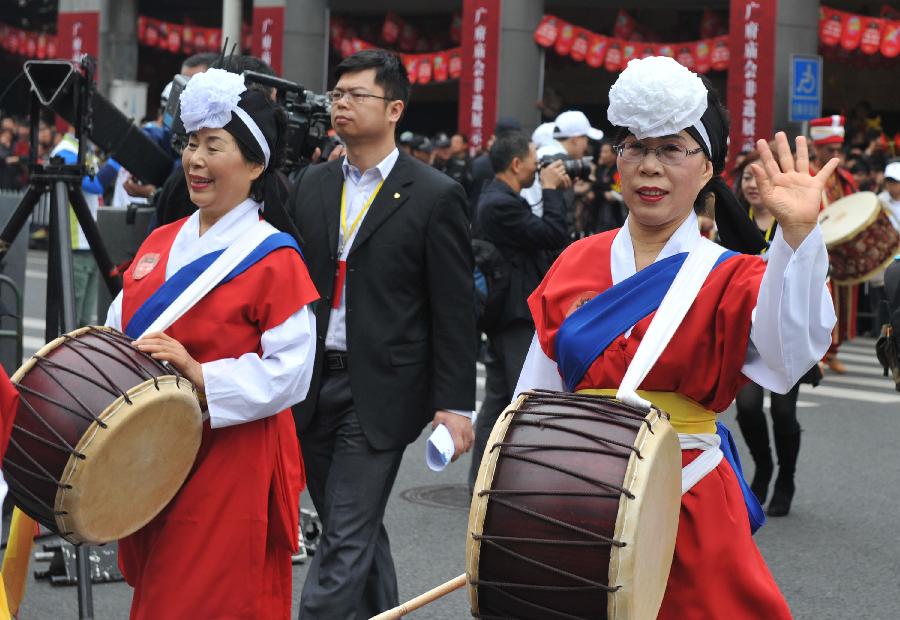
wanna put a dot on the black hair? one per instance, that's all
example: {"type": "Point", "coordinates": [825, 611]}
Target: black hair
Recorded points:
{"type": "Point", "coordinates": [507, 146]}
{"type": "Point", "coordinates": [244, 62]}
{"type": "Point", "coordinates": [390, 73]}
{"type": "Point", "coordinates": [276, 157]}
{"type": "Point", "coordinates": [200, 60]}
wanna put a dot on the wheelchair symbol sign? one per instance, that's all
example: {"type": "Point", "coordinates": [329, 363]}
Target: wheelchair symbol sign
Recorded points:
{"type": "Point", "coordinates": [806, 88]}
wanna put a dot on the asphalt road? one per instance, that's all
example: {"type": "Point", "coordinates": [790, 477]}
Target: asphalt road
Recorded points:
{"type": "Point", "coordinates": [836, 556]}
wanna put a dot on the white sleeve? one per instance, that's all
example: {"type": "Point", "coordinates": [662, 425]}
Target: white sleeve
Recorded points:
{"type": "Point", "coordinates": [794, 315]}
{"type": "Point", "coordinates": [253, 387]}
{"type": "Point", "coordinates": [114, 314]}
{"type": "Point", "coordinates": [538, 371]}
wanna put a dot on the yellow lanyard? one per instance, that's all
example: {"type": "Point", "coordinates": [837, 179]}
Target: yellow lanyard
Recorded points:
{"type": "Point", "coordinates": [769, 233]}
{"type": "Point", "coordinates": [345, 232]}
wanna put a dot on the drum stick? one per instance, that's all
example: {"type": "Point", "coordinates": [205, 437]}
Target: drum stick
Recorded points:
{"type": "Point", "coordinates": [422, 600]}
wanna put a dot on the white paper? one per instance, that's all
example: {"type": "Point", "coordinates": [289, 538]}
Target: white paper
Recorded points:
{"type": "Point", "coordinates": [439, 448]}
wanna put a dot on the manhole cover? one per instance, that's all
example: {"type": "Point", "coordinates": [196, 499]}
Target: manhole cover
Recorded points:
{"type": "Point", "coordinates": [454, 496]}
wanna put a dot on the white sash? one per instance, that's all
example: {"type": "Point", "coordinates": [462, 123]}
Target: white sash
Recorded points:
{"type": "Point", "coordinates": [214, 274]}
{"type": "Point", "coordinates": [712, 455]}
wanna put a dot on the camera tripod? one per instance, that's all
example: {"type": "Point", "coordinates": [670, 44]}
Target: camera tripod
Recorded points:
{"type": "Point", "coordinates": [62, 183]}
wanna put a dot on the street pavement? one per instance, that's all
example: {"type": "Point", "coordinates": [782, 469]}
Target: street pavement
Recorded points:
{"type": "Point", "coordinates": [835, 556]}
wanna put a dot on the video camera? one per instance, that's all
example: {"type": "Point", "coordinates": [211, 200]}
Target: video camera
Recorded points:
{"type": "Point", "coordinates": [576, 168]}
{"type": "Point", "coordinates": [308, 117]}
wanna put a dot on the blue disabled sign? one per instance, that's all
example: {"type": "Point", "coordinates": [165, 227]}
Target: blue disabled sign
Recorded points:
{"type": "Point", "coordinates": [806, 88]}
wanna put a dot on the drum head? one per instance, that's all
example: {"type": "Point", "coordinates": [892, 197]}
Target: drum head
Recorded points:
{"type": "Point", "coordinates": [132, 468]}
{"type": "Point", "coordinates": [648, 524]}
{"type": "Point", "coordinates": [845, 218]}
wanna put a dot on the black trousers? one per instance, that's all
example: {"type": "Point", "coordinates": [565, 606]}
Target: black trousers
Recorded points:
{"type": "Point", "coordinates": [352, 575]}
{"type": "Point", "coordinates": [749, 403]}
{"type": "Point", "coordinates": [503, 363]}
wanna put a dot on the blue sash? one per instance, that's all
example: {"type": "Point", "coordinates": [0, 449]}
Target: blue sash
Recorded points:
{"type": "Point", "coordinates": [154, 305]}
{"type": "Point", "coordinates": [586, 333]}
{"type": "Point", "coordinates": [754, 509]}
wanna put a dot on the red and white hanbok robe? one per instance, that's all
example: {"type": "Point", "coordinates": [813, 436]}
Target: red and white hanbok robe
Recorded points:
{"type": "Point", "coordinates": [767, 322]}
{"type": "Point", "coordinates": [222, 548]}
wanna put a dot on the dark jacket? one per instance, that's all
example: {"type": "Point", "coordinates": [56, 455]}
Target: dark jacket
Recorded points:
{"type": "Point", "coordinates": [525, 240]}
{"type": "Point", "coordinates": [410, 295]}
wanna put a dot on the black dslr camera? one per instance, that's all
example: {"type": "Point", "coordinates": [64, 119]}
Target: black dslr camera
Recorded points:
{"type": "Point", "coordinates": [576, 168]}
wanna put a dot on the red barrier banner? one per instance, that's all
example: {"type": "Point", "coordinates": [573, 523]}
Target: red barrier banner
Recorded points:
{"type": "Point", "coordinates": [751, 73]}
{"type": "Point", "coordinates": [268, 35]}
{"type": "Point", "coordinates": [478, 83]}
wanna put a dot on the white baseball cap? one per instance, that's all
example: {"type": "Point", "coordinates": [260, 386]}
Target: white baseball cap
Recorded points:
{"type": "Point", "coordinates": [573, 123]}
{"type": "Point", "coordinates": [543, 135]}
{"type": "Point", "coordinates": [892, 171]}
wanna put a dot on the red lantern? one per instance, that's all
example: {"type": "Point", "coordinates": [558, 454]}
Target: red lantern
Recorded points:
{"type": "Point", "coordinates": [151, 36]}
{"type": "Point", "coordinates": [42, 46]}
{"type": "Point", "coordinates": [647, 50]}
{"type": "Point", "coordinates": [200, 41]}
{"type": "Point", "coordinates": [686, 55]}
{"type": "Point", "coordinates": [547, 31]}
{"type": "Point", "coordinates": [455, 69]}
{"type": "Point", "coordinates": [456, 28]}
{"type": "Point", "coordinates": [890, 39]}
{"type": "Point", "coordinates": [851, 31]}
{"type": "Point", "coordinates": [346, 48]}
{"type": "Point", "coordinates": [580, 46]}
{"type": "Point", "coordinates": [613, 60]}
{"type": "Point", "coordinates": [424, 69]}
{"type": "Point", "coordinates": [596, 50]}
{"type": "Point", "coordinates": [703, 56]}
{"type": "Point", "coordinates": [629, 53]}
{"type": "Point", "coordinates": [871, 36]}
{"type": "Point", "coordinates": [411, 62]}
{"type": "Point", "coordinates": [31, 45]}
{"type": "Point", "coordinates": [408, 37]}
{"type": "Point", "coordinates": [720, 53]}
{"type": "Point", "coordinates": [174, 38]}
{"type": "Point", "coordinates": [187, 40]}
{"type": "Point", "coordinates": [390, 30]}
{"type": "Point", "coordinates": [213, 39]}
{"type": "Point", "coordinates": [665, 50]}
{"type": "Point", "coordinates": [51, 47]}
{"type": "Point", "coordinates": [441, 63]}
{"type": "Point", "coordinates": [830, 27]}
{"type": "Point", "coordinates": [624, 26]}
{"type": "Point", "coordinates": [142, 28]}
{"type": "Point", "coordinates": [565, 39]}
{"type": "Point", "coordinates": [163, 41]}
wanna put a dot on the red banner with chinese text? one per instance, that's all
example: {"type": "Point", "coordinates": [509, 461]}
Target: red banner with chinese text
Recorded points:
{"type": "Point", "coordinates": [78, 34]}
{"type": "Point", "coordinates": [478, 83]}
{"type": "Point", "coordinates": [268, 35]}
{"type": "Point", "coordinates": [751, 73]}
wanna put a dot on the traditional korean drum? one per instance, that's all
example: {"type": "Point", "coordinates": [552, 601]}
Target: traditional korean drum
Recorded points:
{"type": "Point", "coordinates": [860, 238]}
{"type": "Point", "coordinates": [103, 438]}
{"type": "Point", "coordinates": [575, 511]}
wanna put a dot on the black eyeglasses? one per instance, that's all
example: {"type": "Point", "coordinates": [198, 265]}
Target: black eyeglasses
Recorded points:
{"type": "Point", "coordinates": [670, 154]}
{"type": "Point", "coordinates": [354, 96]}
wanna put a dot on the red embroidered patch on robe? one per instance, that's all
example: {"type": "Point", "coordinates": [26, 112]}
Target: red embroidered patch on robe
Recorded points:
{"type": "Point", "coordinates": [145, 265]}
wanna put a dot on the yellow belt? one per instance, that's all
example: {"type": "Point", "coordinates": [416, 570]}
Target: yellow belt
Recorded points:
{"type": "Point", "coordinates": [685, 414]}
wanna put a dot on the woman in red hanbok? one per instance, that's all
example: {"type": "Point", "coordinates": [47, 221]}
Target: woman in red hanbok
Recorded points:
{"type": "Point", "coordinates": [222, 548]}
{"type": "Point", "coordinates": [768, 322]}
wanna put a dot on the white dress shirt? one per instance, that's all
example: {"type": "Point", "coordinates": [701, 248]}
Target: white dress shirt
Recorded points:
{"type": "Point", "coordinates": [790, 327]}
{"type": "Point", "coordinates": [249, 387]}
{"type": "Point", "coordinates": [358, 188]}
{"type": "Point", "coordinates": [534, 193]}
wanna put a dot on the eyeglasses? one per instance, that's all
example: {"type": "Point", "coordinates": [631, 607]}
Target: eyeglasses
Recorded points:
{"type": "Point", "coordinates": [354, 96]}
{"type": "Point", "coordinates": [670, 154]}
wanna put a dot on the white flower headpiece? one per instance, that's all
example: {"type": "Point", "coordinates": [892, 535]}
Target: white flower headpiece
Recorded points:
{"type": "Point", "coordinates": [211, 97]}
{"type": "Point", "coordinates": [657, 96]}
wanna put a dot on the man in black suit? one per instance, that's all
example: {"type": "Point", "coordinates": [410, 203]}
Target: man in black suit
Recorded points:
{"type": "Point", "coordinates": [524, 239]}
{"type": "Point", "coordinates": [387, 245]}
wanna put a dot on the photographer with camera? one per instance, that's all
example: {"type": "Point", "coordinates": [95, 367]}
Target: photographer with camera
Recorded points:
{"type": "Point", "coordinates": [524, 241]}
{"type": "Point", "coordinates": [571, 132]}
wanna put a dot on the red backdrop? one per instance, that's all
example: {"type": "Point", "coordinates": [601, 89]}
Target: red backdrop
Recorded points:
{"type": "Point", "coordinates": [268, 35]}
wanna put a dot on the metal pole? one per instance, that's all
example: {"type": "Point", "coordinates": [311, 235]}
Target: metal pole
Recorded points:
{"type": "Point", "coordinates": [61, 320]}
{"type": "Point", "coordinates": [231, 23]}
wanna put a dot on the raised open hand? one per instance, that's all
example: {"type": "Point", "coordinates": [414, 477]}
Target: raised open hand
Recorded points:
{"type": "Point", "coordinates": [788, 190]}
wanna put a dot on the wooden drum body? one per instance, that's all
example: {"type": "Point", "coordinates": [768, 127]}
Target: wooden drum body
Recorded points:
{"type": "Point", "coordinates": [103, 438]}
{"type": "Point", "coordinates": [860, 238]}
{"type": "Point", "coordinates": [575, 511]}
